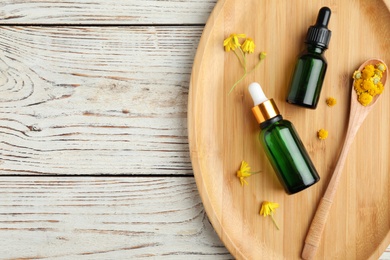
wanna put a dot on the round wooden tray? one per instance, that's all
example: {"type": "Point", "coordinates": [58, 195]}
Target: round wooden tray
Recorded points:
{"type": "Point", "coordinates": [223, 131]}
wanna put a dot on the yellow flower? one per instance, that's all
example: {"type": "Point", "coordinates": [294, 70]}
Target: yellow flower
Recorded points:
{"type": "Point", "coordinates": [368, 71]}
{"type": "Point", "coordinates": [380, 88]}
{"type": "Point", "coordinates": [357, 75]}
{"type": "Point", "coordinates": [375, 79]}
{"type": "Point", "coordinates": [367, 84]}
{"type": "Point", "coordinates": [244, 172]}
{"type": "Point", "coordinates": [378, 73]}
{"type": "Point", "coordinates": [248, 46]}
{"type": "Point", "coordinates": [365, 98]}
{"type": "Point", "coordinates": [262, 55]}
{"type": "Point", "coordinates": [381, 67]}
{"type": "Point", "coordinates": [267, 209]}
{"type": "Point", "coordinates": [331, 101]}
{"type": "Point", "coordinates": [231, 43]}
{"type": "Point", "coordinates": [374, 91]}
{"type": "Point", "coordinates": [322, 134]}
{"type": "Point", "coordinates": [357, 84]}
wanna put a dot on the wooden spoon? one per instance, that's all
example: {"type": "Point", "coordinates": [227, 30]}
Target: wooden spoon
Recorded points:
{"type": "Point", "coordinates": [357, 115]}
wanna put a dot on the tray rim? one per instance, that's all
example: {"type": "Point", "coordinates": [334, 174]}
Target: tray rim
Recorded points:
{"type": "Point", "coordinates": [195, 162]}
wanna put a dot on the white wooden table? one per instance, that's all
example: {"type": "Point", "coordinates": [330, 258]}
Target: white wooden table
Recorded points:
{"type": "Point", "coordinates": [94, 156]}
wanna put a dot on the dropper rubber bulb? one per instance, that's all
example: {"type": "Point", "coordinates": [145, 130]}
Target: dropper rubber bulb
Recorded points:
{"type": "Point", "coordinates": [257, 93]}
{"type": "Point", "coordinates": [319, 34]}
{"type": "Point", "coordinates": [323, 17]}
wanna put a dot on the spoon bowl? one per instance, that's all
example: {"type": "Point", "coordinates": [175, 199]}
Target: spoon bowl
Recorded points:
{"type": "Point", "coordinates": [354, 100]}
{"type": "Point", "coordinates": [357, 114]}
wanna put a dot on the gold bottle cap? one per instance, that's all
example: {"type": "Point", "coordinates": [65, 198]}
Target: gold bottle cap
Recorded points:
{"type": "Point", "coordinates": [265, 111]}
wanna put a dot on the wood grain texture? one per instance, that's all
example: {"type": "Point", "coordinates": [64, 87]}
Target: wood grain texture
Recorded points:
{"type": "Point", "coordinates": [92, 100]}
{"type": "Point", "coordinates": [223, 131]}
{"type": "Point", "coordinates": [105, 12]}
{"type": "Point", "coordinates": [104, 218]}
{"type": "Point", "coordinates": [357, 115]}
{"type": "Point", "coordinates": [101, 100]}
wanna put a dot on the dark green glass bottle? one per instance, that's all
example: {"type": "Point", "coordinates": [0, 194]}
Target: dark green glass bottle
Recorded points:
{"type": "Point", "coordinates": [310, 69]}
{"type": "Point", "coordinates": [287, 155]}
{"type": "Point", "coordinates": [282, 145]}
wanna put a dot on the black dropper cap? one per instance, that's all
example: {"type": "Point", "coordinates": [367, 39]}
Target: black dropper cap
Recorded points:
{"type": "Point", "coordinates": [319, 34]}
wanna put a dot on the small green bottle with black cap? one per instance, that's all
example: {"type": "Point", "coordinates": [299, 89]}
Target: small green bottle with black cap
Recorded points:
{"type": "Point", "coordinates": [310, 69]}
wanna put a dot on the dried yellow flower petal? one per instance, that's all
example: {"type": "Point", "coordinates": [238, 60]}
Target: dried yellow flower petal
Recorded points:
{"type": "Point", "coordinates": [378, 73]}
{"type": "Point", "coordinates": [357, 75]}
{"type": "Point", "coordinates": [381, 67]}
{"type": "Point", "coordinates": [375, 79]}
{"type": "Point", "coordinates": [380, 88]}
{"type": "Point", "coordinates": [331, 101]}
{"type": "Point", "coordinates": [368, 71]}
{"type": "Point", "coordinates": [373, 91]}
{"type": "Point", "coordinates": [357, 84]}
{"type": "Point", "coordinates": [369, 85]}
{"type": "Point", "coordinates": [365, 98]}
{"type": "Point", "coordinates": [322, 134]}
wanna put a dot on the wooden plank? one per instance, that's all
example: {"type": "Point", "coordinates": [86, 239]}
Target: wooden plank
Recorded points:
{"type": "Point", "coordinates": [98, 217]}
{"type": "Point", "coordinates": [106, 218]}
{"type": "Point", "coordinates": [96, 100]}
{"type": "Point", "coordinates": [105, 12]}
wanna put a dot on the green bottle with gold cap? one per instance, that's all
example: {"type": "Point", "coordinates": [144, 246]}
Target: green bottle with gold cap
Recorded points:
{"type": "Point", "coordinates": [282, 145]}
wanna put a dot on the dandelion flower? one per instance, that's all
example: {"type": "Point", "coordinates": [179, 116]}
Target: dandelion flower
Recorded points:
{"type": "Point", "coordinates": [267, 209]}
{"type": "Point", "coordinates": [231, 43]}
{"type": "Point", "coordinates": [322, 134]}
{"type": "Point", "coordinates": [248, 46]}
{"type": "Point", "coordinates": [331, 101]}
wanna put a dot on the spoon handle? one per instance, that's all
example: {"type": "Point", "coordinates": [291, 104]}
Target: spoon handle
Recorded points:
{"type": "Point", "coordinates": [317, 226]}
{"type": "Point", "coordinates": [357, 115]}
